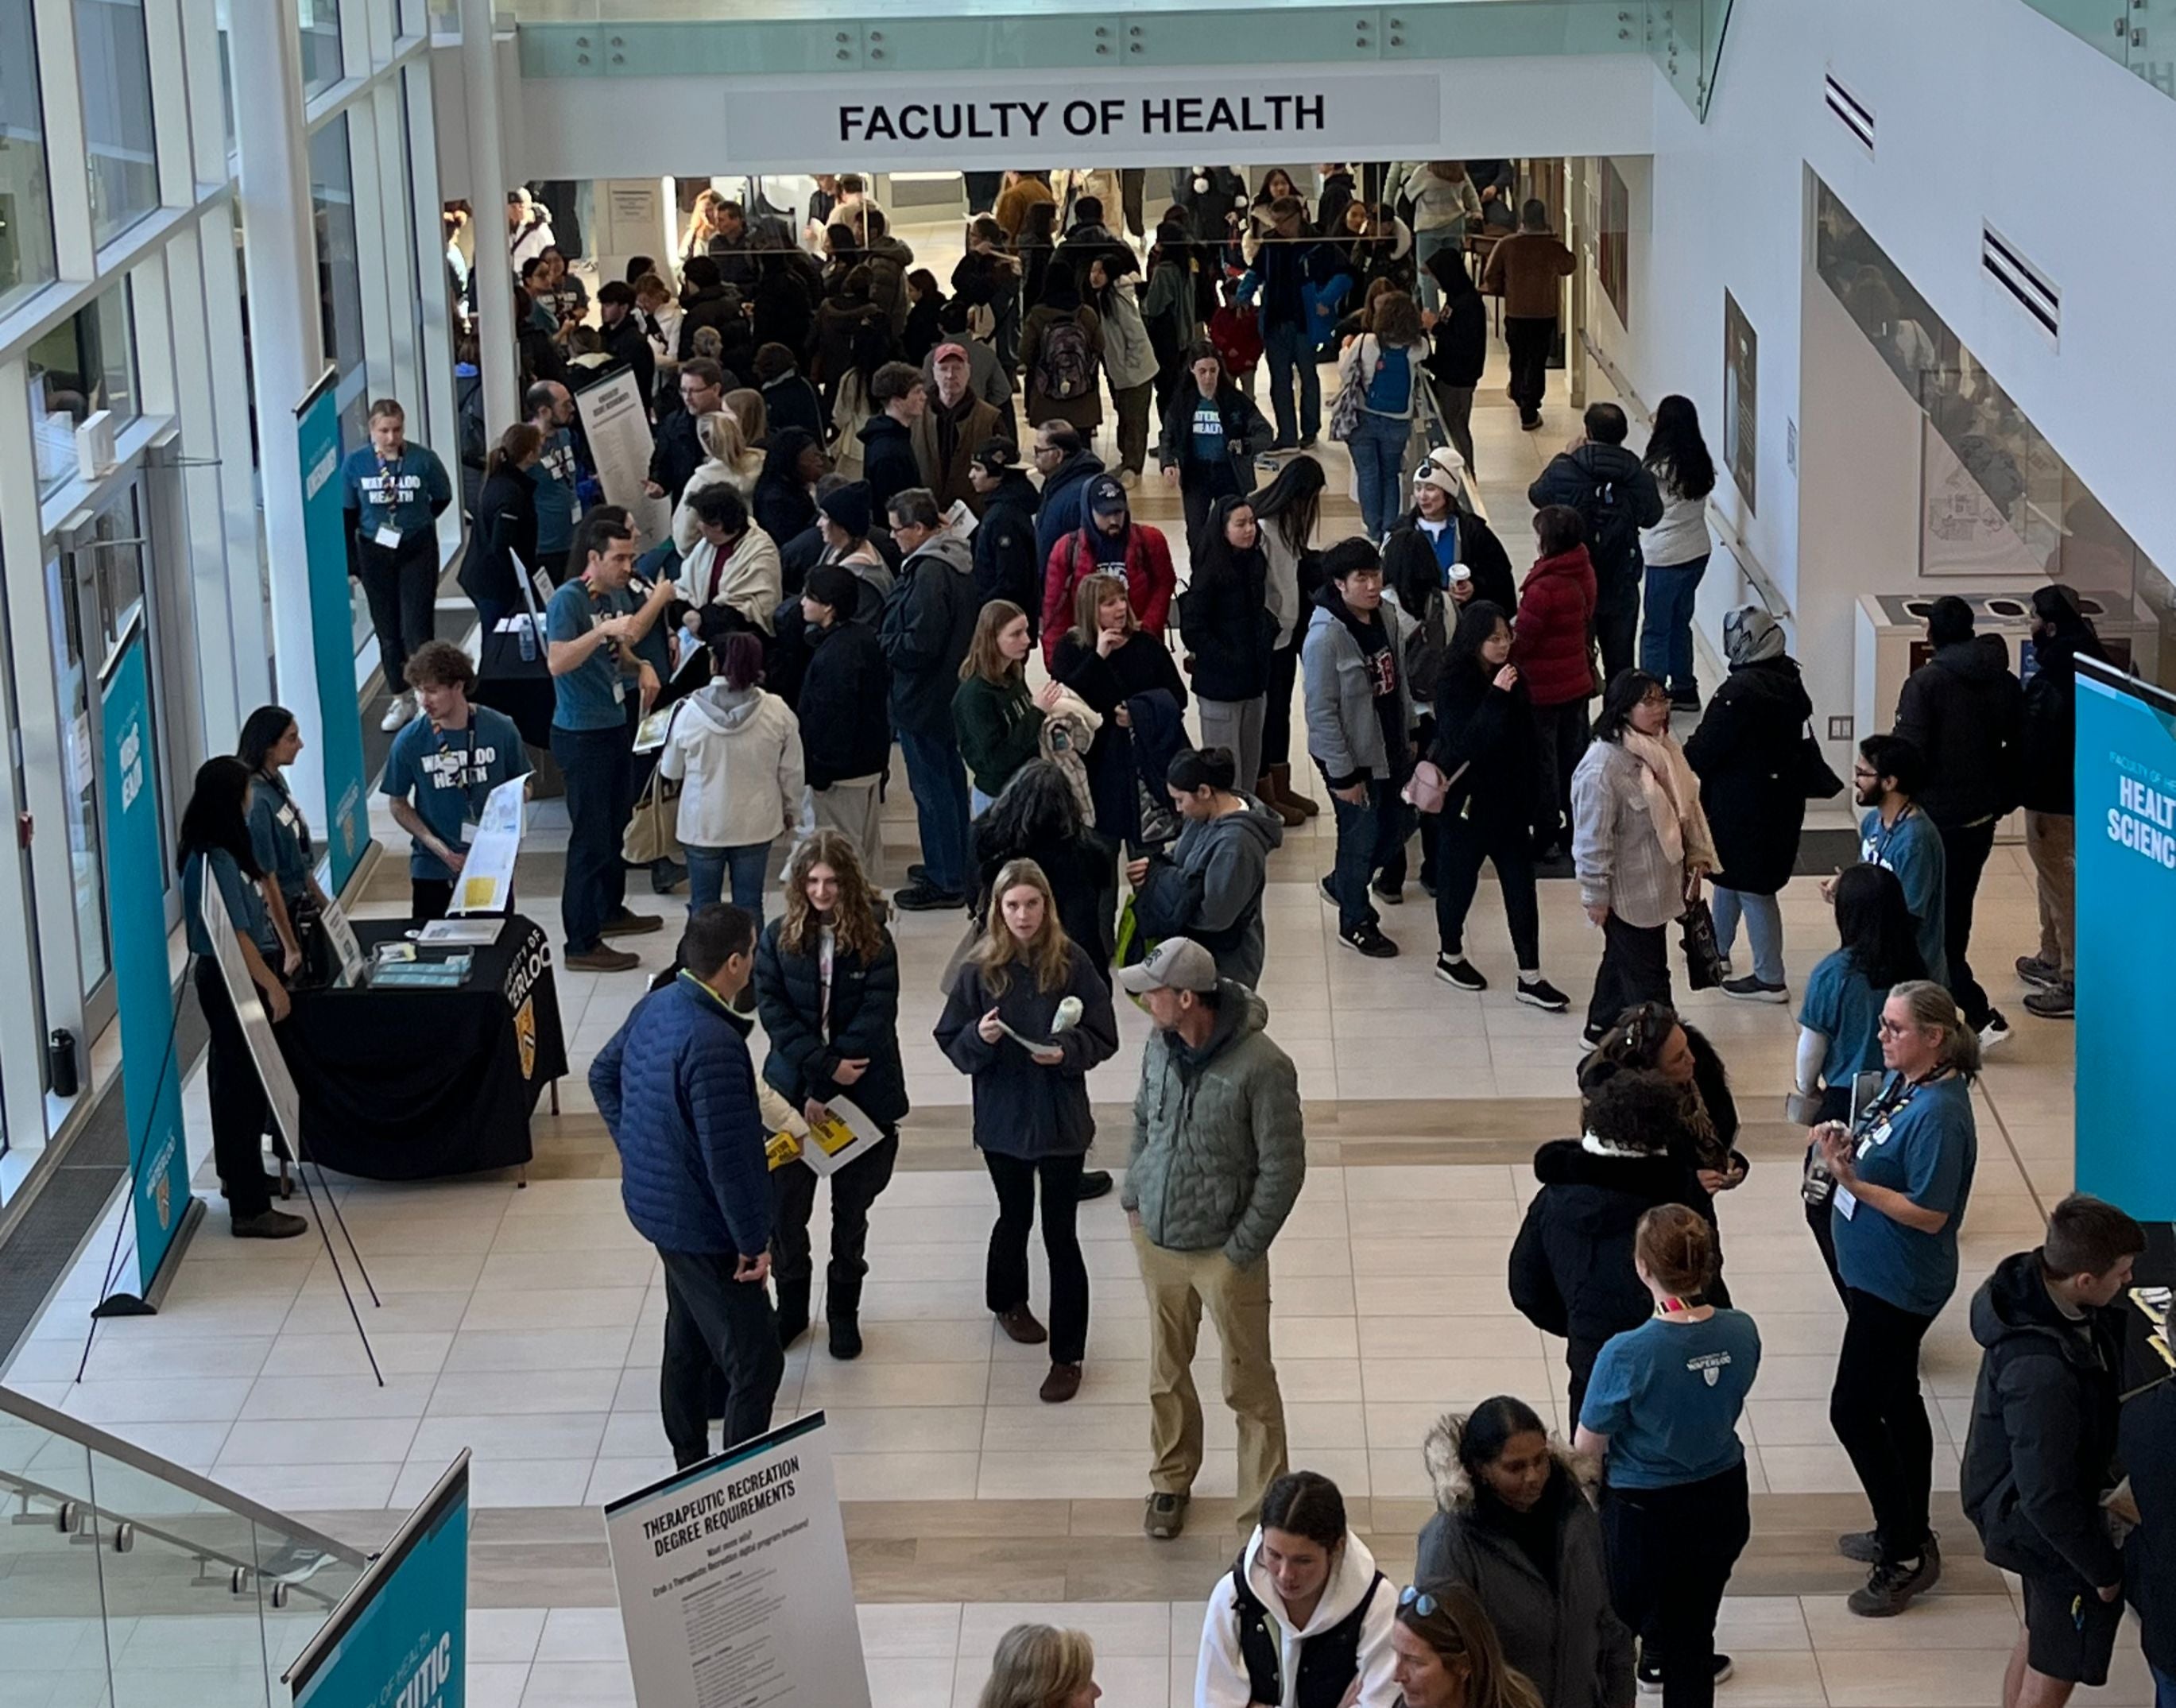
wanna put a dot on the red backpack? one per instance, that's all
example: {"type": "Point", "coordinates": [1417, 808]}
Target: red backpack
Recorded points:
{"type": "Point", "coordinates": [1236, 330]}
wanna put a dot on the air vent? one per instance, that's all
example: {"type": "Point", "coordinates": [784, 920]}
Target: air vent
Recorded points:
{"type": "Point", "coordinates": [1855, 115]}
{"type": "Point", "coordinates": [2025, 283]}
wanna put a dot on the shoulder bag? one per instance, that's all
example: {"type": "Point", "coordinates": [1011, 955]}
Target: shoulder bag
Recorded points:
{"type": "Point", "coordinates": [1815, 777]}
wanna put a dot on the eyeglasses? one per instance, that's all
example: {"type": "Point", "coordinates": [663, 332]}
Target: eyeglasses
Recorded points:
{"type": "Point", "coordinates": [1418, 1599]}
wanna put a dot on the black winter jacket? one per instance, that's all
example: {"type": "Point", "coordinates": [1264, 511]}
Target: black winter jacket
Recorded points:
{"type": "Point", "coordinates": [887, 463]}
{"type": "Point", "coordinates": [718, 306]}
{"type": "Point", "coordinates": [1571, 1270]}
{"type": "Point", "coordinates": [1247, 431]}
{"type": "Point", "coordinates": [1965, 711]}
{"type": "Point", "coordinates": [843, 702]}
{"type": "Point", "coordinates": [928, 623]}
{"type": "Point", "coordinates": [1224, 619]}
{"type": "Point", "coordinates": [1573, 478]}
{"type": "Point", "coordinates": [2148, 1443]}
{"type": "Point", "coordinates": [1084, 877]}
{"type": "Point", "coordinates": [1409, 565]}
{"type": "Point", "coordinates": [505, 524]}
{"type": "Point", "coordinates": [1023, 1109]}
{"type": "Point", "coordinates": [2047, 782]}
{"type": "Point", "coordinates": [1494, 734]}
{"type": "Point", "coordinates": [864, 1013]}
{"type": "Point", "coordinates": [2041, 1450]}
{"type": "Point", "coordinates": [1006, 566]}
{"type": "Point", "coordinates": [1746, 754]}
{"type": "Point", "coordinates": [1461, 342]}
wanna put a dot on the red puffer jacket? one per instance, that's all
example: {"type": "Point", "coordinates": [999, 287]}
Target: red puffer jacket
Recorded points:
{"type": "Point", "coordinates": [1556, 614]}
{"type": "Point", "coordinates": [1151, 582]}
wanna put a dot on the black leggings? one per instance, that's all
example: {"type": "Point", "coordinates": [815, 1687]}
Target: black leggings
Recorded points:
{"type": "Point", "coordinates": [1005, 1276]}
{"type": "Point", "coordinates": [854, 1189]}
{"type": "Point", "coordinates": [1461, 845]}
{"type": "Point", "coordinates": [1276, 712]}
{"type": "Point", "coordinates": [1877, 1413]}
{"type": "Point", "coordinates": [1671, 1552]}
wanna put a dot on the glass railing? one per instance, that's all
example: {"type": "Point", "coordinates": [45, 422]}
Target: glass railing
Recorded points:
{"type": "Point", "coordinates": [660, 38]}
{"type": "Point", "coordinates": [127, 1581]}
{"type": "Point", "coordinates": [2138, 34]}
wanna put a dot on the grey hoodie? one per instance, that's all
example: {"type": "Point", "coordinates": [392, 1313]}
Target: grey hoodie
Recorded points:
{"type": "Point", "coordinates": [1210, 889]}
{"type": "Point", "coordinates": [1219, 1151]}
{"type": "Point", "coordinates": [929, 620]}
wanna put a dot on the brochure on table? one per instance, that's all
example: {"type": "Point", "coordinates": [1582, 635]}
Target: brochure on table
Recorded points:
{"type": "Point", "coordinates": [487, 871]}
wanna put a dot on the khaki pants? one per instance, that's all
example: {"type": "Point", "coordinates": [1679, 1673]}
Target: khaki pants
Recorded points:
{"type": "Point", "coordinates": [853, 807]}
{"type": "Point", "coordinates": [1179, 1283]}
{"type": "Point", "coordinates": [2051, 839]}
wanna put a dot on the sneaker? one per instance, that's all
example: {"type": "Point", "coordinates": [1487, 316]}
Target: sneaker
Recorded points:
{"type": "Point", "coordinates": [1754, 989]}
{"type": "Point", "coordinates": [1165, 1515]}
{"type": "Point", "coordinates": [1863, 1546]}
{"type": "Point", "coordinates": [1650, 1674]}
{"type": "Point", "coordinates": [626, 924]}
{"type": "Point", "coordinates": [1370, 942]}
{"type": "Point", "coordinates": [1389, 894]}
{"type": "Point", "coordinates": [1540, 993]}
{"type": "Point", "coordinates": [1129, 479]}
{"type": "Point", "coordinates": [2057, 1002]}
{"type": "Point", "coordinates": [399, 713]}
{"type": "Point", "coordinates": [1061, 1384]}
{"type": "Point", "coordinates": [1889, 1589]}
{"type": "Point", "coordinates": [1532, 424]}
{"type": "Point", "coordinates": [269, 1224]}
{"type": "Point", "coordinates": [666, 876]}
{"type": "Point", "coordinates": [1591, 1036]}
{"type": "Point", "coordinates": [917, 874]}
{"type": "Point", "coordinates": [600, 960]}
{"type": "Point", "coordinates": [1309, 443]}
{"type": "Point", "coordinates": [1019, 1325]}
{"type": "Point", "coordinates": [1329, 889]}
{"type": "Point", "coordinates": [1457, 970]}
{"type": "Point", "coordinates": [2039, 973]}
{"type": "Point", "coordinates": [925, 897]}
{"type": "Point", "coordinates": [1094, 1183]}
{"type": "Point", "coordinates": [1995, 1031]}
{"type": "Point", "coordinates": [1684, 699]}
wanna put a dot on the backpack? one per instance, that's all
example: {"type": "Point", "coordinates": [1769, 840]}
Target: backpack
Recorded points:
{"type": "Point", "coordinates": [1065, 363]}
{"type": "Point", "coordinates": [1428, 643]}
{"type": "Point", "coordinates": [1612, 532]}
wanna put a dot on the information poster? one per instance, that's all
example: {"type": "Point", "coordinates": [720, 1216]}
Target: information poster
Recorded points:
{"type": "Point", "coordinates": [2126, 891]}
{"type": "Point", "coordinates": [487, 884]}
{"type": "Point", "coordinates": [620, 442]}
{"type": "Point", "coordinates": [340, 726]}
{"type": "Point", "coordinates": [1741, 399]}
{"type": "Point", "coordinates": [400, 1638]}
{"type": "Point", "coordinates": [733, 1583]}
{"type": "Point", "coordinates": [143, 986]}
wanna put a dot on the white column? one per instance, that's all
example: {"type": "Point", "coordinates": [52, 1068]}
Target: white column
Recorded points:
{"type": "Point", "coordinates": [488, 184]}
{"type": "Point", "coordinates": [280, 246]}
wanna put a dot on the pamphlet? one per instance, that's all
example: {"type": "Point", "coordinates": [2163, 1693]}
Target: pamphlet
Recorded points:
{"type": "Point", "coordinates": [843, 1135]}
{"type": "Point", "coordinates": [340, 934]}
{"type": "Point", "coordinates": [650, 733]}
{"type": "Point", "coordinates": [487, 879]}
{"type": "Point", "coordinates": [475, 933]}
{"type": "Point", "coordinates": [960, 522]}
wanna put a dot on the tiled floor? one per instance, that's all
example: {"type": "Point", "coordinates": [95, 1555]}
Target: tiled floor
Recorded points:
{"type": "Point", "coordinates": [524, 1324]}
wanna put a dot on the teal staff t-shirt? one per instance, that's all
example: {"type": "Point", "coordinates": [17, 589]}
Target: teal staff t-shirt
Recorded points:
{"type": "Point", "coordinates": [1667, 1396]}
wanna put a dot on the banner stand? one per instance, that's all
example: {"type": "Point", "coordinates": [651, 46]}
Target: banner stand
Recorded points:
{"type": "Point", "coordinates": [146, 1302]}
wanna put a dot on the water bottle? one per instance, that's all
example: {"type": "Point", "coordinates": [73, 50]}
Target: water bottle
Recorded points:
{"type": "Point", "coordinates": [528, 632]}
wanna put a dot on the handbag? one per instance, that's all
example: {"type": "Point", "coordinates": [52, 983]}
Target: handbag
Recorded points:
{"type": "Point", "coordinates": [1427, 788]}
{"type": "Point", "coordinates": [1703, 958]}
{"type": "Point", "coordinates": [653, 829]}
{"type": "Point", "coordinates": [1351, 405]}
{"type": "Point", "coordinates": [1815, 779]}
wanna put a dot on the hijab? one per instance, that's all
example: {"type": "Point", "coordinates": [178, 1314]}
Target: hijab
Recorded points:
{"type": "Point", "coordinates": [1750, 635]}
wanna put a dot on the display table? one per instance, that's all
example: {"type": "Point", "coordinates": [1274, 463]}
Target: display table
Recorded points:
{"type": "Point", "coordinates": [520, 687]}
{"type": "Point", "coordinates": [411, 1084]}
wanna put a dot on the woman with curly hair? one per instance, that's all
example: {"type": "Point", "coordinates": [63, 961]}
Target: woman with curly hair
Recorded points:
{"type": "Point", "coordinates": [827, 987]}
{"type": "Point", "coordinates": [1030, 1090]}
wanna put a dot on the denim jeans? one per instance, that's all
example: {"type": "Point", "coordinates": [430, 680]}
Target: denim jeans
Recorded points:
{"type": "Point", "coordinates": [1289, 347]}
{"type": "Point", "coordinates": [1666, 644]}
{"type": "Point", "coordinates": [598, 767]}
{"type": "Point", "coordinates": [2164, 1688]}
{"type": "Point", "coordinates": [1371, 838]}
{"type": "Point", "coordinates": [1426, 244]}
{"type": "Point", "coordinates": [1764, 929]}
{"type": "Point", "coordinates": [709, 868]}
{"type": "Point", "coordinates": [939, 782]}
{"type": "Point", "coordinates": [1378, 446]}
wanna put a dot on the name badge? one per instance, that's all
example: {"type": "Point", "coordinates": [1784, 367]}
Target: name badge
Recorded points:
{"type": "Point", "coordinates": [1847, 1206]}
{"type": "Point", "coordinates": [619, 690]}
{"type": "Point", "coordinates": [388, 536]}
{"type": "Point", "coordinates": [287, 817]}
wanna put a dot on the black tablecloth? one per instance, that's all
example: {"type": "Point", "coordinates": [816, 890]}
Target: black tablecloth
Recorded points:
{"type": "Point", "coordinates": [410, 1085]}
{"type": "Point", "coordinates": [520, 687]}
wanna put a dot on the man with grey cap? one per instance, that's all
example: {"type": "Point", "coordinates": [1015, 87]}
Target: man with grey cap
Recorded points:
{"type": "Point", "coordinates": [1218, 1157]}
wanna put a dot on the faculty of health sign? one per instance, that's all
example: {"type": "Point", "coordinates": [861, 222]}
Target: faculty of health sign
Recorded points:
{"type": "Point", "coordinates": [733, 1583]}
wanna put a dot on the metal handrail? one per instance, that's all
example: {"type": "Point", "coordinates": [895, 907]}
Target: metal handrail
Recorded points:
{"type": "Point", "coordinates": [1718, 518]}
{"type": "Point", "coordinates": [138, 1459]}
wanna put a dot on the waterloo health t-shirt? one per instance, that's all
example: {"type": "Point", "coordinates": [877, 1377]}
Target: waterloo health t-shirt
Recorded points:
{"type": "Point", "coordinates": [1844, 1008]}
{"type": "Point", "coordinates": [1924, 1145]}
{"type": "Point", "coordinates": [1208, 446]}
{"type": "Point", "coordinates": [396, 495]}
{"type": "Point", "coordinates": [593, 695]}
{"type": "Point", "coordinates": [1911, 848]}
{"type": "Point", "coordinates": [1667, 1396]}
{"type": "Point", "coordinates": [447, 775]}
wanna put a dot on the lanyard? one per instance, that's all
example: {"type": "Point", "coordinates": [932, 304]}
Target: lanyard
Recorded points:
{"type": "Point", "coordinates": [1884, 834]}
{"type": "Point", "coordinates": [302, 824]}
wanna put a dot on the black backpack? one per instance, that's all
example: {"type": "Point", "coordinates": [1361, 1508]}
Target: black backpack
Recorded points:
{"type": "Point", "coordinates": [1612, 531]}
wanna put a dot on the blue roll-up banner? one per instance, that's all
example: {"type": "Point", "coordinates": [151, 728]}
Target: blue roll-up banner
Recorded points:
{"type": "Point", "coordinates": [2126, 889]}
{"type": "Point", "coordinates": [400, 1638]}
{"type": "Point", "coordinates": [143, 984]}
{"type": "Point", "coordinates": [340, 724]}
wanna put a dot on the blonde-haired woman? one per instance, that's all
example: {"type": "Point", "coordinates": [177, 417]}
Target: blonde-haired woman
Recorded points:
{"type": "Point", "coordinates": [727, 461]}
{"type": "Point", "coordinates": [1041, 1667]}
{"type": "Point", "coordinates": [827, 987]}
{"type": "Point", "coordinates": [1108, 660]}
{"type": "Point", "coordinates": [1032, 1117]}
{"type": "Point", "coordinates": [1448, 1655]}
{"type": "Point", "coordinates": [747, 406]}
{"type": "Point", "coordinates": [997, 722]}
{"type": "Point", "coordinates": [702, 225]}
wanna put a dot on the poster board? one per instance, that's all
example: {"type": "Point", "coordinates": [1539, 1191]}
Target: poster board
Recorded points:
{"type": "Point", "coordinates": [1741, 400]}
{"type": "Point", "coordinates": [487, 879]}
{"type": "Point", "coordinates": [733, 1582]}
{"type": "Point", "coordinates": [332, 632]}
{"type": "Point", "coordinates": [617, 423]}
{"type": "Point", "coordinates": [279, 1090]}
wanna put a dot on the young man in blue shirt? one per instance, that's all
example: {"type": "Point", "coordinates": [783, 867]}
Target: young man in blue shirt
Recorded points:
{"type": "Point", "coordinates": [393, 494]}
{"type": "Point", "coordinates": [1896, 834]}
{"type": "Point", "coordinates": [591, 630]}
{"type": "Point", "coordinates": [558, 476]}
{"type": "Point", "coordinates": [442, 769]}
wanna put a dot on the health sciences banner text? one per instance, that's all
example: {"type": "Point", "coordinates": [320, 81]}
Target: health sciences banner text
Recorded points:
{"type": "Point", "coordinates": [143, 993]}
{"type": "Point", "coordinates": [2126, 891]}
{"type": "Point", "coordinates": [339, 727]}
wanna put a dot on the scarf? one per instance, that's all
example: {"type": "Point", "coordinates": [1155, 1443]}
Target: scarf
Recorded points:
{"type": "Point", "coordinates": [1667, 782]}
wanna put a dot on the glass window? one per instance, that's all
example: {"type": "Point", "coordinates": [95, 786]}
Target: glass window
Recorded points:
{"type": "Point", "coordinates": [115, 68]}
{"type": "Point", "coordinates": [321, 44]}
{"type": "Point", "coordinates": [226, 76]}
{"type": "Point", "coordinates": [85, 364]}
{"type": "Point", "coordinates": [26, 210]}
{"type": "Point", "coordinates": [340, 278]}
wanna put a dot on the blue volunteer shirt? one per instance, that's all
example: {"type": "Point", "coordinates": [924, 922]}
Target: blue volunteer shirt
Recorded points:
{"type": "Point", "coordinates": [594, 694]}
{"type": "Point", "coordinates": [1911, 848]}
{"type": "Point", "coordinates": [556, 475]}
{"type": "Point", "coordinates": [1844, 1008]}
{"type": "Point", "coordinates": [402, 494]}
{"type": "Point", "coordinates": [446, 775]}
{"type": "Point", "coordinates": [1920, 1140]}
{"type": "Point", "coordinates": [244, 901]}
{"type": "Point", "coordinates": [1208, 446]}
{"type": "Point", "coordinates": [280, 836]}
{"type": "Point", "coordinates": [1667, 1396]}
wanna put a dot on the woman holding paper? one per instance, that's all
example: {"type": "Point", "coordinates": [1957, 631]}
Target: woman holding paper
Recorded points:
{"type": "Point", "coordinates": [505, 539]}
{"type": "Point", "coordinates": [1005, 1027]}
{"type": "Point", "coordinates": [827, 988]}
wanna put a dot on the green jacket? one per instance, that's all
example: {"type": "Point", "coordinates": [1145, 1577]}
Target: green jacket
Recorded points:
{"type": "Point", "coordinates": [998, 728]}
{"type": "Point", "coordinates": [1218, 1152]}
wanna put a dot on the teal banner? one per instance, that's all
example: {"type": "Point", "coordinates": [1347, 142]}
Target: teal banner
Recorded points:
{"type": "Point", "coordinates": [340, 726]}
{"type": "Point", "coordinates": [2126, 889]}
{"type": "Point", "coordinates": [143, 987]}
{"type": "Point", "coordinates": [400, 1638]}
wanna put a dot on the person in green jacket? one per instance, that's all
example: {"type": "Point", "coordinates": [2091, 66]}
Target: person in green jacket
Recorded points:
{"type": "Point", "coordinates": [997, 722]}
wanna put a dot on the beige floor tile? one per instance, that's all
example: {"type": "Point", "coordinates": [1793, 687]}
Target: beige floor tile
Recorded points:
{"type": "Point", "coordinates": [1859, 1676]}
